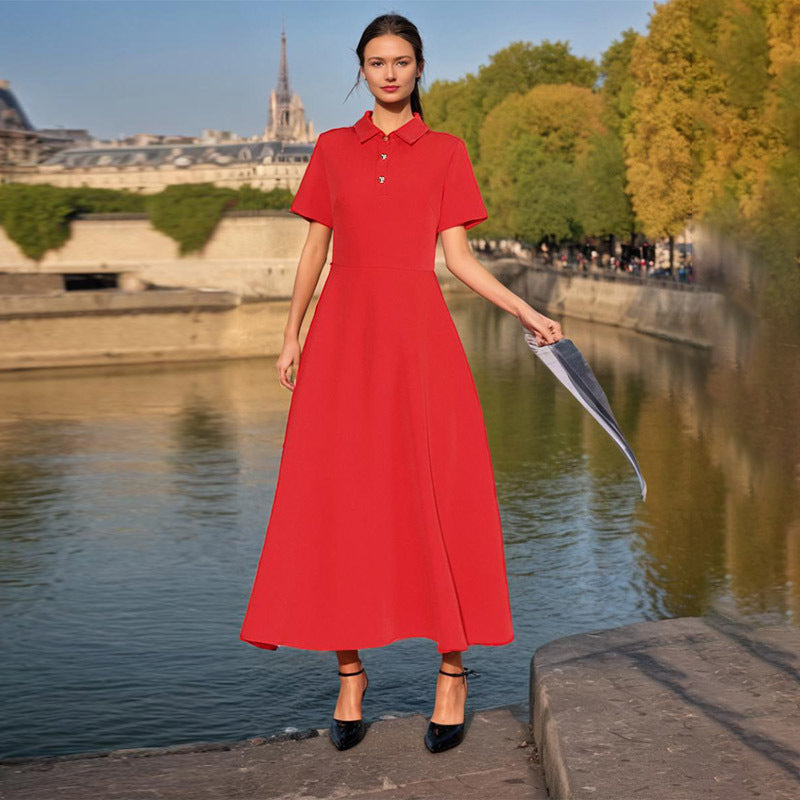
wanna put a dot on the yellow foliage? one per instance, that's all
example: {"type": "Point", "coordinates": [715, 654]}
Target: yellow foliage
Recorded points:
{"type": "Point", "coordinates": [563, 115]}
{"type": "Point", "coordinates": [783, 26]}
{"type": "Point", "coordinates": [661, 135]}
{"type": "Point", "coordinates": [557, 120]}
{"type": "Point", "coordinates": [702, 125]}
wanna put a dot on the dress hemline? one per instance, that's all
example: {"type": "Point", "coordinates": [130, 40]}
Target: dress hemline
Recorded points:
{"type": "Point", "coordinates": [383, 643]}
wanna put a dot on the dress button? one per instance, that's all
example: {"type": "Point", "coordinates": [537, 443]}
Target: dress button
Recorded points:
{"type": "Point", "coordinates": [385, 138]}
{"type": "Point", "coordinates": [381, 178]}
{"type": "Point", "coordinates": [383, 155]}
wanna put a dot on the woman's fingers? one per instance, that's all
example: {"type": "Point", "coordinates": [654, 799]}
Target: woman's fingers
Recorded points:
{"type": "Point", "coordinates": [548, 331]}
{"type": "Point", "coordinates": [283, 374]}
{"type": "Point", "coordinates": [553, 331]}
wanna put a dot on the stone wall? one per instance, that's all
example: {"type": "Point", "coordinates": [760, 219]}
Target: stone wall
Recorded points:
{"type": "Point", "coordinates": [232, 299]}
{"type": "Point", "coordinates": [693, 316]}
{"type": "Point", "coordinates": [254, 255]}
{"type": "Point", "coordinates": [109, 327]}
{"type": "Point", "coordinates": [251, 255]}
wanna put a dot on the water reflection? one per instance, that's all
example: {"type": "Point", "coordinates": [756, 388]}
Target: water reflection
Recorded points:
{"type": "Point", "coordinates": [716, 434]}
{"type": "Point", "coordinates": [205, 463]}
{"type": "Point", "coordinates": [134, 504]}
{"type": "Point", "coordinates": [32, 491]}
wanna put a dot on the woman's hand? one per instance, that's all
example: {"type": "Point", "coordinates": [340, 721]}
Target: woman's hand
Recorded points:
{"type": "Point", "coordinates": [546, 330]}
{"type": "Point", "coordinates": [288, 363]}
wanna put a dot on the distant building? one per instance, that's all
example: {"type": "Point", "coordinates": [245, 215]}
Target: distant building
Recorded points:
{"type": "Point", "coordinates": [287, 118]}
{"type": "Point", "coordinates": [22, 145]}
{"type": "Point", "coordinates": [147, 163]}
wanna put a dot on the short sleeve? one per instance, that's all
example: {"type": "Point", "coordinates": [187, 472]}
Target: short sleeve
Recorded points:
{"type": "Point", "coordinates": [313, 198]}
{"type": "Point", "coordinates": [462, 203]}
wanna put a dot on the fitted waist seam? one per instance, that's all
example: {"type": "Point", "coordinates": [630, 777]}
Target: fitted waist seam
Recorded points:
{"type": "Point", "coordinates": [339, 264]}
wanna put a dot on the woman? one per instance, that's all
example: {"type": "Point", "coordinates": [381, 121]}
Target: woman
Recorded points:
{"type": "Point", "coordinates": [385, 523]}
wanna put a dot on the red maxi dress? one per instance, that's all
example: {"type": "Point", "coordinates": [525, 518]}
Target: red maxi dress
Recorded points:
{"type": "Point", "coordinates": [385, 522]}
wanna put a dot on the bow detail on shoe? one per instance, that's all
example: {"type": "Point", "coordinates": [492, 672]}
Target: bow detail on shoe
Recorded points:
{"type": "Point", "coordinates": [471, 672]}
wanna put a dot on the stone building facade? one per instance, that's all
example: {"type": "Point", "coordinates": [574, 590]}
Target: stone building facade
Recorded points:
{"type": "Point", "coordinates": [22, 146]}
{"type": "Point", "coordinates": [147, 163]}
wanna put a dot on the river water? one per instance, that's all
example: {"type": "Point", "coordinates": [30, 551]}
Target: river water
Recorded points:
{"type": "Point", "coordinates": [134, 502]}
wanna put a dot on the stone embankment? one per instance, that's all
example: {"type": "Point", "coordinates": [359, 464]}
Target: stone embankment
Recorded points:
{"type": "Point", "coordinates": [679, 312]}
{"type": "Point", "coordinates": [43, 325]}
{"type": "Point", "coordinates": [678, 709]}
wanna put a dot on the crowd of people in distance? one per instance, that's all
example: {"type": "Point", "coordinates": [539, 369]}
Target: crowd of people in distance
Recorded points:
{"type": "Point", "coordinates": [639, 261]}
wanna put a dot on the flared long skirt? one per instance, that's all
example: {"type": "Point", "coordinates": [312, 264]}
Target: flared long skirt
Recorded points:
{"type": "Point", "coordinates": [385, 522]}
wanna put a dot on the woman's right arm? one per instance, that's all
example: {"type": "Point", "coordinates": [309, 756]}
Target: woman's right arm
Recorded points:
{"type": "Point", "coordinates": [312, 260]}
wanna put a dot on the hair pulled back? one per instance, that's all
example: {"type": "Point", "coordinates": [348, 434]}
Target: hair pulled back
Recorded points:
{"type": "Point", "coordinates": [397, 25]}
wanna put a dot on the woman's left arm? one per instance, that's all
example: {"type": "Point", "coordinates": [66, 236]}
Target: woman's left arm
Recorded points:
{"type": "Point", "coordinates": [463, 264]}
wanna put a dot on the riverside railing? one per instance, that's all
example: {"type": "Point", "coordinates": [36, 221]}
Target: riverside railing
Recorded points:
{"type": "Point", "coordinates": [665, 281]}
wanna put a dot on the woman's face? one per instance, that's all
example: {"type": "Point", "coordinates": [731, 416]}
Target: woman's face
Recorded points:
{"type": "Point", "coordinates": [389, 62]}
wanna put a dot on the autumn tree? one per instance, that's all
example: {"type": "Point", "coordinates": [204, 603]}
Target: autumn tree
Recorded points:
{"type": "Point", "coordinates": [618, 84]}
{"type": "Point", "coordinates": [729, 103]}
{"type": "Point", "coordinates": [659, 143]}
{"type": "Point", "coordinates": [778, 225]}
{"type": "Point", "coordinates": [531, 144]}
{"type": "Point", "coordinates": [604, 207]}
{"type": "Point", "coordinates": [461, 106]}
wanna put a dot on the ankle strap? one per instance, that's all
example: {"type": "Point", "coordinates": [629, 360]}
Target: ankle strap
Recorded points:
{"type": "Point", "coordinates": [352, 673]}
{"type": "Point", "coordinates": [467, 671]}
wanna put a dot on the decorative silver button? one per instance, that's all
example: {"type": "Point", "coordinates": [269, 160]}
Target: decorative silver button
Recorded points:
{"type": "Point", "coordinates": [383, 155]}
{"type": "Point", "coordinates": [385, 138]}
{"type": "Point", "coordinates": [381, 178]}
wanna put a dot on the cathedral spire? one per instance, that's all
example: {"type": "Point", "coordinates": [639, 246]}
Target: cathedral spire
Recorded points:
{"type": "Point", "coordinates": [287, 122]}
{"type": "Point", "coordinates": [283, 91]}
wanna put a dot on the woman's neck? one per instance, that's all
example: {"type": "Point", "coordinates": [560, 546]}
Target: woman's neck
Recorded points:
{"type": "Point", "coordinates": [390, 119]}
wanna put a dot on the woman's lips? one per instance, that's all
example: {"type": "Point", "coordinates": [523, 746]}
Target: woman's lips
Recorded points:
{"type": "Point", "coordinates": [389, 88]}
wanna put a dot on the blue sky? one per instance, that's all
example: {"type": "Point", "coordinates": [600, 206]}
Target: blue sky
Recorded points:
{"type": "Point", "coordinates": [119, 67]}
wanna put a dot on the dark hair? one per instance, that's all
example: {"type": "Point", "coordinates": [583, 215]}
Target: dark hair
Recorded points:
{"type": "Point", "coordinates": [397, 25]}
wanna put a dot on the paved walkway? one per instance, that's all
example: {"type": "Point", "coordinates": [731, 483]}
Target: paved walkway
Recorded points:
{"type": "Point", "coordinates": [682, 709]}
{"type": "Point", "coordinates": [496, 760]}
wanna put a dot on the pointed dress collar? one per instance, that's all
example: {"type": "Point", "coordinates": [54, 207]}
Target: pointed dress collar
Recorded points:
{"type": "Point", "coordinates": [409, 131]}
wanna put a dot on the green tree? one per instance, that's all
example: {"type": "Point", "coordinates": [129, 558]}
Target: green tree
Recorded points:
{"type": "Point", "coordinates": [522, 65]}
{"type": "Point", "coordinates": [546, 190]}
{"type": "Point", "coordinates": [460, 107]}
{"type": "Point", "coordinates": [531, 145]}
{"type": "Point", "coordinates": [189, 213]}
{"type": "Point", "coordinates": [618, 84]}
{"type": "Point", "coordinates": [36, 217]}
{"type": "Point", "coordinates": [603, 206]}
{"type": "Point", "coordinates": [456, 107]}
{"type": "Point", "coordinates": [776, 224]}
{"type": "Point", "coordinates": [661, 138]}
{"type": "Point", "coordinates": [250, 199]}
{"type": "Point", "coordinates": [93, 200]}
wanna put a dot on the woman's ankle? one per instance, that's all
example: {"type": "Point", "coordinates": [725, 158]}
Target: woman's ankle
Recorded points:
{"type": "Point", "coordinates": [348, 660]}
{"type": "Point", "coordinates": [451, 666]}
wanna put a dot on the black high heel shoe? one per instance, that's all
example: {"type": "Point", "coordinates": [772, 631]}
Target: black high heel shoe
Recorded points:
{"type": "Point", "coordinates": [347, 733]}
{"type": "Point", "coordinates": [439, 736]}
